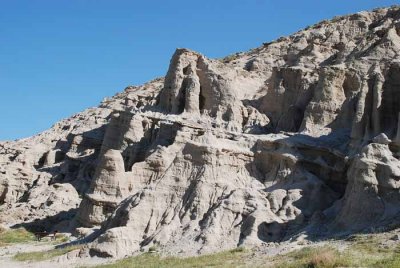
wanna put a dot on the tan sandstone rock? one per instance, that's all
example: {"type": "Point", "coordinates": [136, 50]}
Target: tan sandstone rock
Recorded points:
{"type": "Point", "coordinates": [292, 140]}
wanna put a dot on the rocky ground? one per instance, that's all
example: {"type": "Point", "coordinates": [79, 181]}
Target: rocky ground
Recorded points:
{"type": "Point", "coordinates": [70, 259]}
{"type": "Point", "coordinates": [361, 250]}
{"type": "Point", "coordinates": [296, 139]}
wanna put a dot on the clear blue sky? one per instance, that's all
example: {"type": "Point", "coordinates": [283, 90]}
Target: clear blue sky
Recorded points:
{"type": "Point", "coordinates": [58, 57]}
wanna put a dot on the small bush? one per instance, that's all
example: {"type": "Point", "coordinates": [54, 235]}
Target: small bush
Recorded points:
{"type": "Point", "coordinates": [152, 249]}
{"type": "Point", "coordinates": [62, 238]}
{"type": "Point", "coordinates": [308, 257]}
{"type": "Point", "coordinates": [327, 258]}
{"type": "Point", "coordinates": [230, 58]}
{"type": "Point", "coordinates": [238, 249]}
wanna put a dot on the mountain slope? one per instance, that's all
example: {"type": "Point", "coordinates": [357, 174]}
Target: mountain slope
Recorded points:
{"type": "Point", "coordinates": [292, 139]}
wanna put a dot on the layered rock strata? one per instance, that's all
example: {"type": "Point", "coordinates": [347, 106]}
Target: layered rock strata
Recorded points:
{"type": "Point", "coordinates": [296, 137]}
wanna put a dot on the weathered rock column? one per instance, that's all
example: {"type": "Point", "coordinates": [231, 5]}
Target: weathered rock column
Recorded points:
{"type": "Point", "coordinates": [192, 94]}
{"type": "Point", "coordinates": [377, 101]}
{"type": "Point", "coordinates": [172, 97]}
{"type": "Point", "coordinates": [108, 188]}
{"type": "Point", "coordinates": [358, 129]}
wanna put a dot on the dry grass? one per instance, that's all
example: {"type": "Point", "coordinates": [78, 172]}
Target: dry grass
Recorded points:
{"type": "Point", "coordinates": [326, 258]}
{"type": "Point", "coordinates": [361, 251]}
{"type": "Point", "coordinates": [44, 255]}
{"type": "Point", "coordinates": [364, 251]}
{"type": "Point", "coordinates": [308, 257]}
{"type": "Point", "coordinates": [233, 258]}
{"type": "Point", "coordinates": [61, 238]}
{"type": "Point", "coordinates": [14, 236]}
{"type": "Point", "coordinates": [229, 58]}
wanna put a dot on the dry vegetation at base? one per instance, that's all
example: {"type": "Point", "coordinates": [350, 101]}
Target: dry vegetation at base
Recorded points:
{"type": "Point", "coordinates": [60, 238]}
{"type": "Point", "coordinates": [226, 259]}
{"type": "Point", "coordinates": [14, 236]}
{"type": "Point", "coordinates": [21, 235]}
{"type": "Point", "coordinates": [357, 251]}
{"type": "Point", "coordinates": [44, 255]}
{"type": "Point", "coordinates": [362, 251]}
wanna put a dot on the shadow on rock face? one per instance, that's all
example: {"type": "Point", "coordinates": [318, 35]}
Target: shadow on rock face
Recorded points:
{"type": "Point", "coordinates": [60, 222]}
{"type": "Point", "coordinates": [270, 232]}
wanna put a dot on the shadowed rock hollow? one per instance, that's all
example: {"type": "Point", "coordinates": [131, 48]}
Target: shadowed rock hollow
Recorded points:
{"type": "Point", "coordinates": [298, 137]}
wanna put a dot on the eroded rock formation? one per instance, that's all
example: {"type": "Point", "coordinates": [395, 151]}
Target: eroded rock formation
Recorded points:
{"type": "Point", "coordinates": [298, 136]}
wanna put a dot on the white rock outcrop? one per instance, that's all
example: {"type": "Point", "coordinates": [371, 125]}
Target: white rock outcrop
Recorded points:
{"type": "Point", "coordinates": [298, 136]}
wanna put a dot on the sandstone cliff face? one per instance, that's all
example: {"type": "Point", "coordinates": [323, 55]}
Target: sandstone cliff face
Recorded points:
{"type": "Point", "coordinates": [298, 136]}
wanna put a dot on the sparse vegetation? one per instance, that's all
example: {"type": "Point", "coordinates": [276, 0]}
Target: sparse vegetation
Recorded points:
{"type": "Point", "coordinates": [231, 258]}
{"type": "Point", "coordinates": [230, 58]}
{"type": "Point", "coordinates": [61, 238]}
{"type": "Point", "coordinates": [362, 251]}
{"type": "Point", "coordinates": [238, 249]}
{"type": "Point", "coordinates": [310, 258]}
{"type": "Point", "coordinates": [44, 255]}
{"type": "Point", "coordinates": [307, 27]}
{"type": "Point", "coordinates": [14, 236]}
{"type": "Point", "coordinates": [21, 235]}
{"type": "Point", "coordinates": [337, 18]}
{"type": "Point", "coordinates": [365, 251]}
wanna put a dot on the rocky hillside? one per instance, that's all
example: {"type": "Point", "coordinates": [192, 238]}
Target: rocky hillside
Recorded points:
{"type": "Point", "coordinates": [297, 138]}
